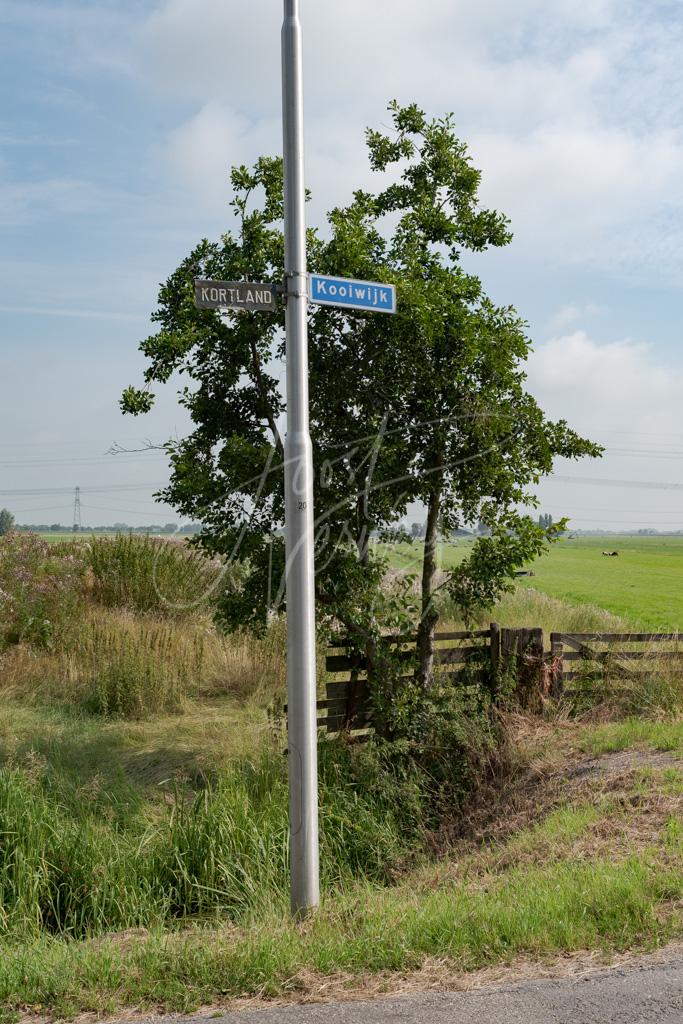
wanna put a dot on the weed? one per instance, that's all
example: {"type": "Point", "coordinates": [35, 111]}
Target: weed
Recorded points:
{"type": "Point", "coordinates": [41, 591]}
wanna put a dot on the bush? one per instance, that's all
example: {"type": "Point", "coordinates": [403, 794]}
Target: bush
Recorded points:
{"type": "Point", "coordinates": [146, 574]}
{"type": "Point", "coordinates": [41, 591]}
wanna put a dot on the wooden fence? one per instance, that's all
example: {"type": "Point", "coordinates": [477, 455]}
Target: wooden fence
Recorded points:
{"type": "Point", "coordinates": [346, 700]}
{"type": "Point", "coordinates": [483, 657]}
{"type": "Point", "coordinates": [590, 656]}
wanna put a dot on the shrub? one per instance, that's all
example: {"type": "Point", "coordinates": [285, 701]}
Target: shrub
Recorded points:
{"type": "Point", "coordinates": [41, 591]}
{"type": "Point", "coordinates": [146, 574]}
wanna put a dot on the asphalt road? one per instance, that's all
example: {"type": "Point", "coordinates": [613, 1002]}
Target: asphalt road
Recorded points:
{"type": "Point", "coordinates": [622, 995]}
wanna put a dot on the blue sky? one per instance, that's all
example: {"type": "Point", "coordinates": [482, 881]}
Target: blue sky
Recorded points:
{"type": "Point", "coordinates": [119, 122]}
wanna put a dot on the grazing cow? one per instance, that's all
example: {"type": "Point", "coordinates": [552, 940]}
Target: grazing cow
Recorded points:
{"type": "Point", "coordinates": [610, 554]}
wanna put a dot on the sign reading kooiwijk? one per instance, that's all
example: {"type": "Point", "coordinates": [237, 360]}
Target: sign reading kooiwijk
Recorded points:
{"type": "Point", "coordinates": [249, 295]}
{"type": "Point", "coordinates": [343, 291]}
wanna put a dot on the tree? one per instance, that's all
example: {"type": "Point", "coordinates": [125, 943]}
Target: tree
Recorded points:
{"type": "Point", "coordinates": [428, 405]}
{"type": "Point", "coordinates": [451, 362]}
{"type": "Point", "coordinates": [6, 522]}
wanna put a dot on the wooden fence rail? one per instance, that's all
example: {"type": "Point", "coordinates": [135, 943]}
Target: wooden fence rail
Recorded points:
{"type": "Point", "coordinates": [481, 658]}
{"type": "Point", "coordinates": [586, 659]}
{"type": "Point", "coordinates": [347, 700]}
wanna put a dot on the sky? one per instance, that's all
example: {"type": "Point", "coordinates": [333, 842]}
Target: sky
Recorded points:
{"type": "Point", "coordinates": [119, 123]}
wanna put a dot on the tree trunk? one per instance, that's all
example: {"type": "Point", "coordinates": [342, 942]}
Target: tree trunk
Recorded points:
{"type": "Point", "coordinates": [430, 616]}
{"type": "Point", "coordinates": [362, 532]}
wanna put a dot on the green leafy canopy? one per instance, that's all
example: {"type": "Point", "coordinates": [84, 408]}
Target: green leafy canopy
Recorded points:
{"type": "Point", "coordinates": [425, 406]}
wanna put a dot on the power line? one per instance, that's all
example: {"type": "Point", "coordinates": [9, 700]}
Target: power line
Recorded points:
{"type": "Point", "coordinates": [117, 508]}
{"type": "Point", "coordinates": [44, 491]}
{"type": "Point", "coordinates": [625, 522]}
{"type": "Point", "coordinates": [603, 508]}
{"type": "Point", "coordinates": [71, 444]}
{"type": "Point", "coordinates": [99, 460]}
{"type": "Point", "coordinates": [128, 511]}
{"type": "Point", "coordinates": [49, 508]}
{"type": "Point", "coordinates": [598, 481]}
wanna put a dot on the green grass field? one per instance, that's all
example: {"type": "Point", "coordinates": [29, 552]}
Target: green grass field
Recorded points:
{"type": "Point", "coordinates": [644, 585]}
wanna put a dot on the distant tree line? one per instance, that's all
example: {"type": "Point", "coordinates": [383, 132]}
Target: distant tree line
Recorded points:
{"type": "Point", "coordinates": [167, 529]}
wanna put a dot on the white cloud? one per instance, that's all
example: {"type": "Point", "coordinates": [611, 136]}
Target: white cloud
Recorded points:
{"type": "Point", "coordinates": [606, 389]}
{"type": "Point", "coordinates": [22, 202]}
{"type": "Point", "coordinates": [200, 152]}
{"type": "Point", "coordinates": [571, 312]}
{"type": "Point", "coordinates": [589, 194]}
{"type": "Point", "coordinates": [575, 124]}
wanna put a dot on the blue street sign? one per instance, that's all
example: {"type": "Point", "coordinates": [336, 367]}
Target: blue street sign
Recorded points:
{"type": "Point", "coordinates": [342, 291]}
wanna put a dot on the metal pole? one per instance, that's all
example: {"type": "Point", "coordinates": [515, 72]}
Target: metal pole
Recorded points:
{"type": "Point", "coordinates": [301, 684]}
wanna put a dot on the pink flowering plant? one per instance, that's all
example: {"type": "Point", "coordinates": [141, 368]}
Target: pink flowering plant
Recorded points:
{"type": "Point", "coordinates": [41, 589]}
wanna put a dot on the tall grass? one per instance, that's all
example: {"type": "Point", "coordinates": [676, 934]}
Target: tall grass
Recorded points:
{"type": "Point", "coordinates": [146, 574]}
{"type": "Point", "coordinates": [528, 607]}
{"type": "Point", "coordinates": [120, 665]}
{"type": "Point", "coordinates": [570, 906]}
{"type": "Point", "coordinates": [650, 687]}
{"type": "Point", "coordinates": [134, 670]}
{"type": "Point", "coordinates": [225, 850]}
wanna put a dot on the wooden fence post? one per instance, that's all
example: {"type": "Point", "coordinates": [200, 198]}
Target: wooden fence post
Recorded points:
{"type": "Point", "coordinates": [557, 665]}
{"type": "Point", "coordinates": [495, 658]}
{"type": "Point", "coordinates": [522, 654]}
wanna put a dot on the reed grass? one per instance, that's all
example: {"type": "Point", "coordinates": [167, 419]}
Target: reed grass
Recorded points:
{"type": "Point", "coordinates": [146, 574]}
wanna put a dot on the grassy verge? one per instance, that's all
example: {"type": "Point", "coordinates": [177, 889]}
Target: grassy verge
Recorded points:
{"type": "Point", "coordinates": [582, 878]}
{"type": "Point", "coordinates": [633, 733]}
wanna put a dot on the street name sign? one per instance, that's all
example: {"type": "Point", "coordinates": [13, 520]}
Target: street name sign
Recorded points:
{"type": "Point", "coordinates": [249, 295]}
{"type": "Point", "coordinates": [343, 291]}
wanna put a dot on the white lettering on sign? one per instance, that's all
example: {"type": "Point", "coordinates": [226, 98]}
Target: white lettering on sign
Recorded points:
{"type": "Point", "coordinates": [235, 295]}
{"type": "Point", "coordinates": [336, 291]}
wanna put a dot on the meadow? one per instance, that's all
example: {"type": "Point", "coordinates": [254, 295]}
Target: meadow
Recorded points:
{"type": "Point", "coordinates": [143, 809]}
{"type": "Point", "coordinates": [643, 585]}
